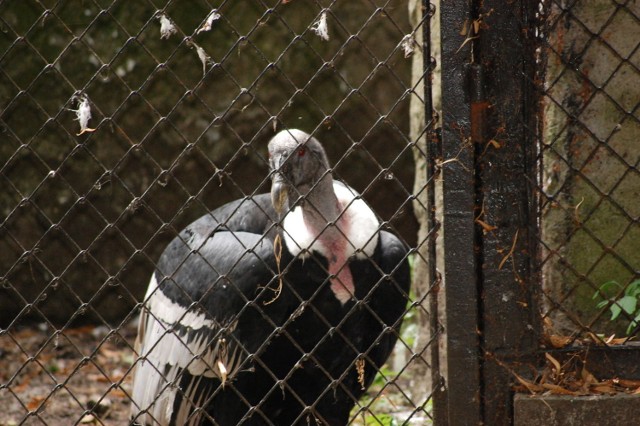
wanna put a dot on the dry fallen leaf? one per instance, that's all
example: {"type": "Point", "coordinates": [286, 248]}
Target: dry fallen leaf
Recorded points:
{"type": "Point", "coordinates": [109, 353]}
{"type": "Point", "coordinates": [627, 383]}
{"type": "Point", "coordinates": [595, 339]}
{"type": "Point", "coordinates": [35, 403]}
{"type": "Point", "coordinates": [587, 377]}
{"type": "Point", "coordinates": [532, 387]}
{"type": "Point", "coordinates": [604, 389]}
{"type": "Point", "coordinates": [87, 329]}
{"type": "Point", "coordinates": [558, 341]}
{"type": "Point", "coordinates": [557, 389]}
{"type": "Point", "coordinates": [548, 323]}
{"type": "Point", "coordinates": [617, 340]}
{"type": "Point", "coordinates": [555, 362]}
{"type": "Point", "coordinates": [118, 393]}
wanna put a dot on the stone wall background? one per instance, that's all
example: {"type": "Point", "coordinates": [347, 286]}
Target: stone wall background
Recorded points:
{"type": "Point", "coordinates": [591, 157]}
{"type": "Point", "coordinates": [84, 217]}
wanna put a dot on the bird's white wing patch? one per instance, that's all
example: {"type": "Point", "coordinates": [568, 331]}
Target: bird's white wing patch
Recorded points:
{"type": "Point", "coordinates": [173, 340]}
{"type": "Point", "coordinates": [171, 313]}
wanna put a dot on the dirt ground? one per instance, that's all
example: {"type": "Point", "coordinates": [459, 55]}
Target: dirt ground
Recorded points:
{"type": "Point", "coordinates": [81, 376]}
{"type": "Point", "coordinates": [74, 376]}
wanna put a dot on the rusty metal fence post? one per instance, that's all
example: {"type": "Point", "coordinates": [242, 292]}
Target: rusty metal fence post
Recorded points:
{"type": "Point", "coordinates": [463, 358]}
{"type": "Point", "coordinates": [492, 320]}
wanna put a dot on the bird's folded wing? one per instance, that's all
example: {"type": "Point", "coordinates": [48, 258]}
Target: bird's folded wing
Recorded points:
{"type": "Point", "coordinates": [173, 341]}
{"type": "Point", "coordinates": [187, 325]}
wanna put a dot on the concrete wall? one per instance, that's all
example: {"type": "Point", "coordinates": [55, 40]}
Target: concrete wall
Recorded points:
{"type": "Point", "coordinates": [563, 410]}
{"type": "Point", "coordinates": [591, 151]}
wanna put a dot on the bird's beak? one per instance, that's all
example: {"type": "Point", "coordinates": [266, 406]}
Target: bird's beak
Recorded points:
{"type": "Point", "coordinates": [279, 193]}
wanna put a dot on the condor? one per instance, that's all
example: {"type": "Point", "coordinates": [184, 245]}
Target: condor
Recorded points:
{"type": "Point", "coordinates": [276, 309]}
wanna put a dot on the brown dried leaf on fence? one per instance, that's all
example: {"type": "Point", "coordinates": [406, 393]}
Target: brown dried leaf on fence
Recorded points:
{"type": "Point", "coordinates": [485, 226]}
{"type": "Point", "coordinates": [513, 247]}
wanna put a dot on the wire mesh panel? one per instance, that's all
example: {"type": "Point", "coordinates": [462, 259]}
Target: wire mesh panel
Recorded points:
{"type": "Point", "coordinates": [540, 173]}
{"type": "Point", "coordinates": [123, 122]}
{"type": "Point", "coordinates": [590, 177]}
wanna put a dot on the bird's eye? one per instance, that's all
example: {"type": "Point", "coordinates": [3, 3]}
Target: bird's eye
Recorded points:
{"type": "Point", "coordinates": [302, 151]}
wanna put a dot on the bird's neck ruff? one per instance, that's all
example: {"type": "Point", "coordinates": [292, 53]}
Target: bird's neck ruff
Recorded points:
{"type": "Point", "coordinates": [340, 228]}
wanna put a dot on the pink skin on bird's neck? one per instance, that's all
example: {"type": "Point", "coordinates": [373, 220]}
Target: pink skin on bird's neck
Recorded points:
{"type": "Point", "coordinates": [333, 238]}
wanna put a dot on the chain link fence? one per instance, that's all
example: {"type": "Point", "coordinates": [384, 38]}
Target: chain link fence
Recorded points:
{"type": "Point", "coordinates": [590, 188]}
{"type": "Point", "coordinates": [122, 122]}
{"type": "Point", "coordinates": [540, 179]}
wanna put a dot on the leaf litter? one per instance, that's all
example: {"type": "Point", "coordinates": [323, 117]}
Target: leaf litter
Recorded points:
{"type": "Point", "coordinates": [72, 376]}
{"type": "Point", "coordinates": [570, 375]}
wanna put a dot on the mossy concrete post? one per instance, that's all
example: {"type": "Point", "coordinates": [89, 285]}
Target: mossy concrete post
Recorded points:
{"type": "Point", "coordinates": [591, 184]}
